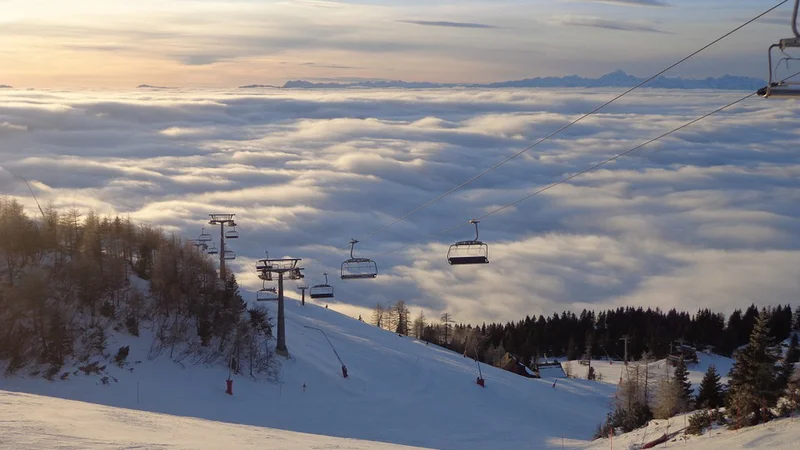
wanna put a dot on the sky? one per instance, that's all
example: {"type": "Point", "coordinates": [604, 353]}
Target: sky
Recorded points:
{"type": "Point", "coordinates": [705, 218]}
{"type": "Point", "coordinates": [206, 43]}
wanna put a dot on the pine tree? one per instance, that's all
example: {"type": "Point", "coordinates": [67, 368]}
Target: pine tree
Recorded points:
{"type": "Point", "coordinates": [682, 379]}
{"type": "Point", "coordinates": [710, 395]}
{"type": "Point", "coordinates": [793, 353]}
{"type": "Point", "coordinates": [786, 368]}
{"type": "Point", "coordinates": [752, 378]}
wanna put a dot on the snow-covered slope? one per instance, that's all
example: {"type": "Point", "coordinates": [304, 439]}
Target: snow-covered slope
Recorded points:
{"type": "Point", "coordinates": [399, 390]}
{"type": "Point", "coordinates": [612, 370]}
{"type": "Point", "coordinates": [783, 434]}
{"type": "Point", "coordinates": [35, 422]}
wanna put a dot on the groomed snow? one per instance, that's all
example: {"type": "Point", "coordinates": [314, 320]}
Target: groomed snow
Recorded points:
{"type": "Point", "coordinates": [399, 391]}
{"type": "Point", "coordinates": [34, 422]}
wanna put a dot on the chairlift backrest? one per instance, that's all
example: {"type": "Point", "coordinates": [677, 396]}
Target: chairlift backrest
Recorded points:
{"type": "Point", "coordinates": [232, 234]}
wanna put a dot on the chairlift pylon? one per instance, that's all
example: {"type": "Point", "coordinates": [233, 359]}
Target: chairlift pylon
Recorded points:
{"type": "Point", "coordinates": [469, 252]}
{"type": "Point", "coordinates": [322, 290]}
{"type": "Point", "coordinates": [358, 268]}
{"type": "Point", "coordinates": [203, 236]}
{"type": "Point", "coordinates": [777, 88]}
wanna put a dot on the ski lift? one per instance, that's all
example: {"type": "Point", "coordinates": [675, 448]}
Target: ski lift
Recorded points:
{"type": "Point", "coordinates": [322, 290]}
{"type": "Point", "coordinates": [213, 250]}
{"type": "Point", "coordinates": [469, 252]}
{"type": "Point", "coordinates": [232, 234]}
{"type": "Point", "coordinates": [356, 268]}
{"type": "Point", "coordinates": [229, 254]}
{"type": "Point", "coordinates": [203, 236]}
{"type": "Point", "coordinates": [783, 89]}
{"type": "Point", "coordinates": [266, 294]}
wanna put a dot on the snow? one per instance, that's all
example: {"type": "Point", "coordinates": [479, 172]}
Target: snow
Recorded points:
{"type": "Point", "coordinates": [399, 390]}
{"type": "Point", "coordinates": [782, 434]}
{"type": "Point", "coordinates": [612, 370]}
{"type": "Point", "coordinates": [38, 422]}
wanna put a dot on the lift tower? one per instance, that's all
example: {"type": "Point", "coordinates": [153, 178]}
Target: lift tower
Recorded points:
{"type": "Point", "coordinates": [285, 267]}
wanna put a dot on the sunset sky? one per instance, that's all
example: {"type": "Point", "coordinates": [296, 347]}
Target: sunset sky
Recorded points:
{"type": "Point", "coordinates": [707, 216]}
{"type": "Point", "coordinates": [200, 43]}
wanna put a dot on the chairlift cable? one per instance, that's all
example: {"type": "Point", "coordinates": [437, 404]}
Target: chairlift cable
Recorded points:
{"type": "Point", "coordinates": [565, 127]}
{"type": "Point", "coordinates": [585, 171]}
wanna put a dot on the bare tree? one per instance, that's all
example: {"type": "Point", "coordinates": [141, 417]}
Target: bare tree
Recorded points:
{"type": "Point", "coordinates": [378, 315]}
{"type": "Point", "coordinates": [446, 321]}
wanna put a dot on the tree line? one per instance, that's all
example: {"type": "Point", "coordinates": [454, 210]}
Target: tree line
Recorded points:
{"type": "Point", "coordinates": [590, 334]}
{"type": "Point", "coordinates": [763, 384]}
{"type": "Point", "coordinates": [68, 279]}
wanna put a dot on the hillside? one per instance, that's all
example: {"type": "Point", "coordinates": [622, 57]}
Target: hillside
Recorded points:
{"type": "Point", "coordinates": [399, 390]}
{"type": "Point", "coordinates": [781, 434]}
{"type": "Point", "coordinates": [79, 425]}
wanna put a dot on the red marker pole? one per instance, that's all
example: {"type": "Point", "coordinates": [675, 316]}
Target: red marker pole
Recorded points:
{"type": "Point", "coordinates": [229, 389]}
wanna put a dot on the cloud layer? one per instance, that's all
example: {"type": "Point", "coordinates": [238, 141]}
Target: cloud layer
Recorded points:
{"type": "Point", "coordinates": [707, 217]}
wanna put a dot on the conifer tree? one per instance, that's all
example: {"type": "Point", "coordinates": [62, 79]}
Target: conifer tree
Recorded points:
{"type": "Point", "coordinates": [786, 368]}
{"type": "Point", "coordinates": [710, 395]}
{"type": "Point", "coordinates": [682, 379]}
{"type": "Point", "coordinates": [752, 378]}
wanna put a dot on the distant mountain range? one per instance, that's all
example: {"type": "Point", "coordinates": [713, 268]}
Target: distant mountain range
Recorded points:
{"type": "Point", "coordinates": [613, 79]}
{"type": "Point", "coordinates": [147, 86]}
{"type": "Point", "coordinates": [5, 86]}
{"type": "Point", "coordinates": [256, 86]}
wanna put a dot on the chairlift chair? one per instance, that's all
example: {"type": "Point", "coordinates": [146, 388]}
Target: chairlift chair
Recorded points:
{"type": "Point", "coordinates": [232, 234]}
{"type": "Point", "coordinates": [777, 88]}
{"type": "Point", "coordinates": [469, 252]}
{"type": "Point", "coordinates": [229, 254]}
{"type": "Point", "coordinates": [322, 290]}
{"type": "Point", "coordinates": [213, 250]}
{"type": "Point", "coordinates": [203, 236]}
{"type": "Point", "coordinates": [357, 268]}
{"type": "Point", "coordinates": [266, 294]}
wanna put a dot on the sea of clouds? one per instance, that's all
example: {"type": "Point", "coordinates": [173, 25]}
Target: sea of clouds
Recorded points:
{"type": "Point", "coordinates": [706, 218]}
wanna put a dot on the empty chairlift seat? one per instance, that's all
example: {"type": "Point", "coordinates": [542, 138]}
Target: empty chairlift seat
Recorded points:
{"type": "Point", "coordinates": [469, 252]}
{"type": "Point", "coordinates": [357, 268]}
{"type": "Point", "coordinates": [203, 236]}
{"type": "Point", "coordinates": [322, 290]}
{"type": "Point", "coordinates": [266, 294]}
{"type": "Point", "coordinates": [783, 88]}
{"type": "Point", "coordinates": [232, 234]}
